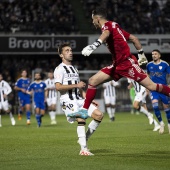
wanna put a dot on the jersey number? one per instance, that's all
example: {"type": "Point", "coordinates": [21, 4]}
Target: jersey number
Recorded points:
{"type": "Point", "coordinates": [69, 106]}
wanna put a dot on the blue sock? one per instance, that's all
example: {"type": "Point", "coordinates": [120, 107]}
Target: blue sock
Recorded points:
{"type": "Point", "coordinates": [157, 111]}
{"type": "Point", "coordinates": [38, 118]}
{"type": "Point", "coordinates": [28, 113]}
{"type": "Point", "coordinates": [167, 111]}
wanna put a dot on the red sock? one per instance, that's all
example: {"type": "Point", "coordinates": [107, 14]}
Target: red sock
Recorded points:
{"type": "Point", "coordinates": [90, 95]}
{"type": "Point", "coordinates": [163, 89]}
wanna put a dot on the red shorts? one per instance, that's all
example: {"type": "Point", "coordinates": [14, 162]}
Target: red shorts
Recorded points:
{"type": "Point", "coordinates": [128, 68]}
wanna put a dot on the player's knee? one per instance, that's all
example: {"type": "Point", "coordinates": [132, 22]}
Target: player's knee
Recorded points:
{"type": "Point", "coordinates": [7, 111]}
{"type": "Point", "coordinates": [93, 81]}
{"type": "Point", "coordinates": [113, 106]}
{"type": "Point", "coordinates": [136, 106]}
{"type": "Point", "coordinates": [155, 106]}
{"type": "Point", "coordinates": [49, 109]}
{"type": "Point", "coordinates": [81, 122]}
{"type": "Point", "coordinates": [53, 110]}
{"type": "Point", "coordinates": [108, 105]}
{"type": "Point", "coordinates": [97, 115]}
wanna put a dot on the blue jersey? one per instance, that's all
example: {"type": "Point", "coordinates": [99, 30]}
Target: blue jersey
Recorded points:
{"type": "Point", "coordinates": [158, 72]}
{"type": "Point", "coordinates": [24, 84]}
{"type": "Point", "coordinates": [39, 90]}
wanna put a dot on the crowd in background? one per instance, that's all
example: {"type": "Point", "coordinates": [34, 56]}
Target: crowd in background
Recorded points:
{"type": "Point", "coordinates": [136, 16]}
{"type": "Point", "coordinates": [38, 17]}
{"type": "Point", "coordinates": [59, 16]}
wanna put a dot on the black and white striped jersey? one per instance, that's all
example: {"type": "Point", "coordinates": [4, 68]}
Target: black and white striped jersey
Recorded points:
{"type": "Point", "coordinates": [51, 88]}
{"type": "Point", "coordinates": [5, 88]}
{"type": "Point", "coordinates": [66, 75]}
{"type": "Point", "coordinates": [138, 88]}
{"type": "Point", "coordinates": [109, 88]}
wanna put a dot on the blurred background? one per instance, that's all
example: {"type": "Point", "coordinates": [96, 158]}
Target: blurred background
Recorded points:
{"type": "Point", "coordinates": [31, 30]}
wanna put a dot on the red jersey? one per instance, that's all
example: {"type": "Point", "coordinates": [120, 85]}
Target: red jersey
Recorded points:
{"type": "Point", "coordinates": [116, 42]}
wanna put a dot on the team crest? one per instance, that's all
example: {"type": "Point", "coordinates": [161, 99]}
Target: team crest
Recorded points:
{"type": "Point", "coordinates": [131, 72]}
{"type": "Point", "coordinates": [41, 85]}
{"type": "Point", "coordinates": [160, 67]}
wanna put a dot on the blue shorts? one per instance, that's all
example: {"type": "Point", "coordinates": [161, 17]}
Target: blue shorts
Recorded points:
{"type": "Point", "coordinates": [159, 96]}
{"type": "Point", "coordinates": [24, 100]}
{"type": "Point", "coordinates": [39, 104]}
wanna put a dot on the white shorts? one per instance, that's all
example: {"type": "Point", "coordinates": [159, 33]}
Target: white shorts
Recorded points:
{"type": "Point", "coordinates": [4, 105]}
{"type": "Point", "coordinates": [71, 106]}
{"type": "Point", "coordinates": [51, 101]}
{"type": "Point", "coordinates": [141, 96]}
{"type": "Point", "coordinates": [110, 100]}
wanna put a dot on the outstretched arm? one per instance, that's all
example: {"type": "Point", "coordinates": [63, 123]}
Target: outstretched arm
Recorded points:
{"type": "Point", "coordinates": [142, 58]}
{"type": "Point", "coordinates": [90, 48]}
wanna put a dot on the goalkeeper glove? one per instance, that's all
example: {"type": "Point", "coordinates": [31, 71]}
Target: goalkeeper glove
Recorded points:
{"type": "Point", "coordinates": [90, 48]}
{"type": "Point", "coordinates": [142, 58]}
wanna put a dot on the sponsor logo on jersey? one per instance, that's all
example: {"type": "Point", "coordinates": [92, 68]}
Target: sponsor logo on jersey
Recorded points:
{"type": "Point", "coordinates": [131, 72]}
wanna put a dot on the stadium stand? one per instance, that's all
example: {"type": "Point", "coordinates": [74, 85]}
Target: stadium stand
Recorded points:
{"type": "Point", "coordinates": [137, 16]}
{"type": "Point", "coordinates": [60, 17]}
{"type": "Point", "coordinates": [38, 17]}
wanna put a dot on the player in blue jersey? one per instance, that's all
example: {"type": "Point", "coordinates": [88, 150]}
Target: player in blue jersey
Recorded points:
{"type": "Point", "coordinates": [24, 99]}
{"type": "Point", "coordinates": [38, 87]}
{"type": "Point", "coordinates": [158, 70]}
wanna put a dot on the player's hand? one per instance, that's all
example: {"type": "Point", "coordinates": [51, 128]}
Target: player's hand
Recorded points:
{"type": "Point", "coordinates": [5, 96]}
{"type": "Point", "coordinates": [81, 85]}
{"type": "Point", "coordinates": [23, 90]}
{"type": "Point", "coordinates": [88, 50]}
{"type": "Point", "coordinates": [142, 58]}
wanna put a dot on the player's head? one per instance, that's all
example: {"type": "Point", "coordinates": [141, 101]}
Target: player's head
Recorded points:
{"type": "Point", "coordinates": [97, 15]}
{"type": "Point", "coordinates": [37, 76]}
{"type": "Point", "coordinates": [65, 52]}
{"type": "Point", "coordinates": [156, 55]}
{"type": "Point", "coordinates": [50, 75]}
{"type": "Point", "coordinates": [24, 73]}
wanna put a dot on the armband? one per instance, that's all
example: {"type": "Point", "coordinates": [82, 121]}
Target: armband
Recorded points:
{"type": "Point", "coordinates": [97, 43]}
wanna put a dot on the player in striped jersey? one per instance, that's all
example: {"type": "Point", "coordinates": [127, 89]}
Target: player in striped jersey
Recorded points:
{"type": "Point", "coordinates": [5, 90]}
{"type": "Point", "coordinates": [110, 98]}
{"type": "Point", "coordinates": [70, 87]}
{"type": "Point", "coordinates": [140, 97]}
{"type": "Point", "coordinates": [158, 71]}
{"type": "Point", "coordinates": [51, 97]}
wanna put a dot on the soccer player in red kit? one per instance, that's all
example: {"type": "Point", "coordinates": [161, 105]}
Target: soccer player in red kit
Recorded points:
{"type": "Point", "coordinates": [124, 63]}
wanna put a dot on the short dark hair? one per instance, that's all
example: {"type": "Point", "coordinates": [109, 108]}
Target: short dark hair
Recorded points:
{"type": "Point", "coordinates": [23, 69]}
{"type": "Point", "coordinates": [100, 11]}
{"type": "Point", "coordinates": [156, 51]}
{"type": "Point", "coordinates": [60, 48]}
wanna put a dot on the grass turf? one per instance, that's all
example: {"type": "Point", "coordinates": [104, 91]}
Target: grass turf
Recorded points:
{"type": "Point", "coordinates": [126, 144]}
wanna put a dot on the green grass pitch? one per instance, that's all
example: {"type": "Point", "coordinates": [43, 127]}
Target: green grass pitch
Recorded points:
{"type": "Point", "coordinates": [126, 144]}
